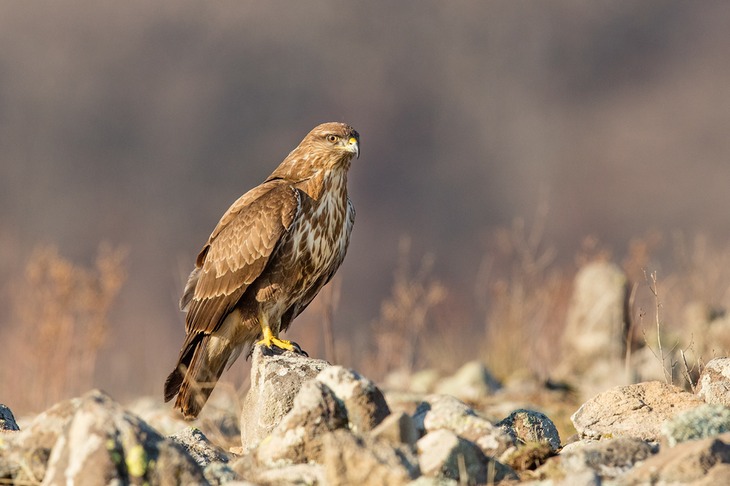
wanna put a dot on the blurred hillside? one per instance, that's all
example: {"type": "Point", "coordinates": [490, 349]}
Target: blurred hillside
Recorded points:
{"type": "Point", "coordinates": [138, 123]}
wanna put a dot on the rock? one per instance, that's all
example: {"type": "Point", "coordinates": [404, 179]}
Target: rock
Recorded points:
{"type": "Point", "coordinates": [7, 421]}
{"type": "Point", "coordinates": [32, 446]}
{"type": "Point", "coordinates": [92, 437]}
{"type": "Point", "coordinates": [687, 462]}
{"type": "Point", "coordinates": [197, 445]}
{"type": "Point", "coordinates": [632, 411]}
{"type": "Point", "coordinates": [297, 438]}
{"type": "Point", "coordinates": [594, 337]}
{"type": "Point", "coordinates": [470, 383]}
{"type": "Point", "coordinates": [396, 429]}
{"type": "Point", "coordinates": [275, 381]}
{"type": "Point", "coordinates": [442, 453]}
{"type": "Point", "coordinates": [365, 404]}
{"type": "Point", "coordinates": [714, 383]}
{"type": "Point", "coordinates": [596, 321]}
{"type": "Point", "coordinates": [353, 459]}
{"type": "Point", "coordinates": [446, 412]}
{"type": "Point", "coordinates": [698, 423]}
{"type": "Point", "coordinates": [531, 426]}
{"type": "Point", "coordinates": [609, 458]}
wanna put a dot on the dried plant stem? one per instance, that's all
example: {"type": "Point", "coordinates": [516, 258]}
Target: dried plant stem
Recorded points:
{"type": "Point", "coordinates": [660, 355]}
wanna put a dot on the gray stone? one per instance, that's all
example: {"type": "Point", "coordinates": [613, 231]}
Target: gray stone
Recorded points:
{"type": "Point", "coordinates": [714, 383]}
{"type": "Point", "coordinates": [442, 453]}
{"type": "Point", "coordinates": [275, 381]}
{"type": "Point", "coordinates": [696, 462]}
{"type": "Point", "coordinates": [472, 382]}
{"type": "Point", "coordinates": [353, 459]}
{"type": "Point", "coordinates": [7, 421]}
{"type": "Point", "coordinates": [632, 411]}
{"type": "Point", "coordinates": [297, 438]}
{"type": "Point", "coordinates": [98, 439]}
{"type": "Point", "coordinates": [446, 412]}
{"type": "Point", "coordinates": [32, 446]}
{"type": "Point", "coordinates": [609, 458]}
{"type": "Point", "coordinates": [365, 404]}
{"type": "Point", "coordinates": [197, 445]}
{"type": "Point", "coordinates": [531, 426]}
{"type": "Point", "coordinates": [698, 423]}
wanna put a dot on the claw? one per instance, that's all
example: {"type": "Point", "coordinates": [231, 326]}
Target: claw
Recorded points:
{"type": "Point", "coordinates": [270, 341]}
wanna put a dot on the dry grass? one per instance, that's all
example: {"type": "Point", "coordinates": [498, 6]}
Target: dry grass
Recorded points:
{"type": "Point", "coordinates": [59, 324]}
{"type": "Point", "coordinates": [513, 321]}
{"type": "Point", "coordinates": [399, 332]}
{"type": "Point", "coordinates": [524, 300]}
{"type": "Point", "coordinates": [521, 298]}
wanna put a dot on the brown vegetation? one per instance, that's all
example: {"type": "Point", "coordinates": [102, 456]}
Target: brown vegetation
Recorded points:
{"type": "Point", "coordinates": [61, 314]}
{"type": "Point", "coordinates": [60, 323]}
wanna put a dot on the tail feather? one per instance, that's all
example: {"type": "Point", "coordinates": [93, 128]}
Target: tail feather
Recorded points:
{"type": "Point", "coordinates": [196, 374]}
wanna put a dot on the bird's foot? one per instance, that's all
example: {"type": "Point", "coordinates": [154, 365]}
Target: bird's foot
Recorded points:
{"type": "Point", "coordinates": [277, 346]}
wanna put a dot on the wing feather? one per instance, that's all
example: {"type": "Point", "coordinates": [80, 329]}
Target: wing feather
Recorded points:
{"type": "Point", "coordinates": [237, 252]}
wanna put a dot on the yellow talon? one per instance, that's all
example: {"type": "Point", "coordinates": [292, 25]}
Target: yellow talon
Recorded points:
{"type": "Point", "coordinates": [269, 340]}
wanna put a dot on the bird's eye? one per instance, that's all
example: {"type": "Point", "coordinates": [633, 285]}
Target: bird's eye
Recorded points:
{"type": "Point", "coordinates": [332, 138]}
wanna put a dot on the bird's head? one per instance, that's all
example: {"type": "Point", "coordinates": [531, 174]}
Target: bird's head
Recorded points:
{"type": "Point", "coordinates": [335, 138]}
{"type": "Point", "coordinates": [329, 146]}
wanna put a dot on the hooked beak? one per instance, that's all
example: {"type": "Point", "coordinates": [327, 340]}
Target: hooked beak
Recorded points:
{"type": "Point", "coordinates": [353, 145]}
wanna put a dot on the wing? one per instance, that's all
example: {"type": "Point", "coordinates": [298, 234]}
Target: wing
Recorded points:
{"type": "Point", "coordinates": [237, 252]}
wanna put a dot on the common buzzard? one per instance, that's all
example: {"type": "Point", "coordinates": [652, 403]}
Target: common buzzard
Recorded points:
{"type": "Point", "coordinates": [267, 258]}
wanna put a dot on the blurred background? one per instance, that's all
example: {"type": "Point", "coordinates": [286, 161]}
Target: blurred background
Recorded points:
{"type": "Point", "coordinates": [128, 128]}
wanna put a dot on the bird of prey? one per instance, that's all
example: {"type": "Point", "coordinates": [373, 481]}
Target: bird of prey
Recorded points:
{"type": "Point", "coordinates": [268, 257]}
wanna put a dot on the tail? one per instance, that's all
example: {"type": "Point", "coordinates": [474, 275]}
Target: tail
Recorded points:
{"type": "Point", "coordinates": [200, 365]}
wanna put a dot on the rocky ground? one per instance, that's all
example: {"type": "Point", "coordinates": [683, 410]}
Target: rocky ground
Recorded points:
{"type": "Point", "coordinates": [304, 421]}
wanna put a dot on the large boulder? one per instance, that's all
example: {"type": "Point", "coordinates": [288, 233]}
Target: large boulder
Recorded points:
{"type": "Point", "coordinates": [298, 437]}
{"type": "Point", "coordinates": [632, 411]}
{"type": "Point", "coordinates": [83, 439]}
{"type": "Point", "coordinates": [275, 381]}
{"type": "Point", "coordinates": [336, 398]}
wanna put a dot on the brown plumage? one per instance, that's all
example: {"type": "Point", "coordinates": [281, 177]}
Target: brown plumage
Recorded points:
{"type": "Point", "coordinates": [267, 258]}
